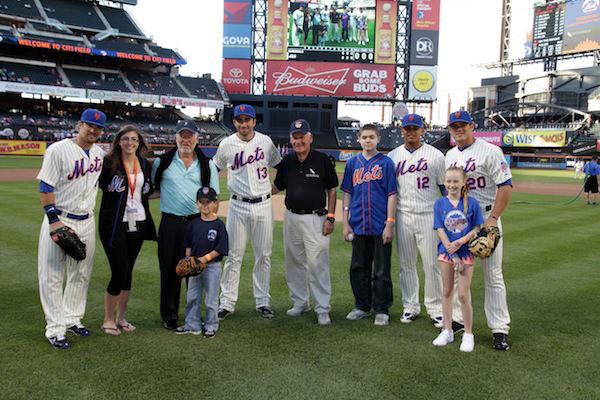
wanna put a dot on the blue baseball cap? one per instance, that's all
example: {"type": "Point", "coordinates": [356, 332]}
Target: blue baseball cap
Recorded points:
{"type": "Point", "coordinates": [206, 193]}
{"type": "Point", "coordinates": [412, 120]}
{"type": "Point", "coordinates": [460, 116]}
{"type": "Point", "coordinates": [244, 109]}
{"type": "Point", "coordinates": [94, 117]}
{"type": "Point", "coordinates": [299, 126]}
{"type": "Point", "coordinates": [186, 125]}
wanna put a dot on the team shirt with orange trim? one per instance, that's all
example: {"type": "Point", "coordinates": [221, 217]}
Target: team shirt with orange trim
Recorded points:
{"type": "Point", "coordinates": [486, 169]}
{"type": "Point", "coordinates": [370, 182]}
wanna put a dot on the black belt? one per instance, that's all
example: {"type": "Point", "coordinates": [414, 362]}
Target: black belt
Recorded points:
{"type": "Point", "coordinates": [251, 200]}
{"type": "Point", "coordinates": [320, 211]}
{"type": "Point", "coordinates": [74, 216]}
{"type": "Point", "coordinates": [488, 208]}
{"type": "Point", "coordinates": [183, 218]}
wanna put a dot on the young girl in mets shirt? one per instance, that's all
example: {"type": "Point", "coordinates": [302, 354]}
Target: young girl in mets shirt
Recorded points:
{"type": "Point", "coordinates": [457, 219]}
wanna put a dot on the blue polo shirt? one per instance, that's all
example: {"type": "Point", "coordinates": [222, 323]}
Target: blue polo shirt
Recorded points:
{"type": "Point", "coordinates": [179, 185]}
{"type": "Point", "coordinates": [591, 168]}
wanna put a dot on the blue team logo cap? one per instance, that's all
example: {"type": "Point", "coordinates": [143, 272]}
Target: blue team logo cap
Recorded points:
{"type": "Point", "coordinates": [244, 109]}
{"type": "Point", "coordinates": [186, 125]}
{"type": "Point", "coordinates": [460, 116]}
{"type": "Point", "coordinates": [94, 117]}
{"type": "Point", "coordinates": [206, 193]}
{"type": "Point", "coordinates": [299, 126]}
{"type": "Point", "coordinates": [412, 120]}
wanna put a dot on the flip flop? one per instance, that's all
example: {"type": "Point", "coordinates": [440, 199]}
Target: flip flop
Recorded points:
{"type": "Point", "coordinates": [110, 331]}
{"type": "Point", "coordinates": [127, 327]}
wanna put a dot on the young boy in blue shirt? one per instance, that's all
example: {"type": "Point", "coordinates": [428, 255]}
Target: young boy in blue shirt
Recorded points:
{"type": "Point", "coordinates": [205, 237]}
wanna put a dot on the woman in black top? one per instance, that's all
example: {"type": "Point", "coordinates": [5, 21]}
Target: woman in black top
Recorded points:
{"type": "Point", "coordinates": [125, 220]}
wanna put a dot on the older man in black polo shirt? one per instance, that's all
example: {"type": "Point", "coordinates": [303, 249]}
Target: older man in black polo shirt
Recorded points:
{"type": "Point", "coordinates": [309, 179]}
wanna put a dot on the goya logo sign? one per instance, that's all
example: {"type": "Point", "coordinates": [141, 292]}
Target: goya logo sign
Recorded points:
{"type": "Point", "coordinates": [237, 41]}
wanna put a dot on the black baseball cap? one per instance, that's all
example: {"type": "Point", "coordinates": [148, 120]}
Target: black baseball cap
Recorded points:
{"type": "Point", "coordinates": [186, 125]}
{"type": "Point", "coordinates": [299, 126]}
{"type": "Point", "coordinates": [206, 193]}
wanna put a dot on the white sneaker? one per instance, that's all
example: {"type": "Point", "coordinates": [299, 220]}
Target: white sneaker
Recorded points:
{"type": "Point", "coordinates": [323, 319]}
{"type": "Point", "coordinates": [445, 337]}
{"type": "Point", "coordinates": [357, 314]}
{"type": "Point", "coordinates": [408, 317]}
{"type": "Point", "coordinates": [468, 343]}
{"type": "Point", "coordinates": [382, 319]}
{"type": "Point", "coordinates": [296, 311]}
{"type": "Point", "coordinates": [438, 321]}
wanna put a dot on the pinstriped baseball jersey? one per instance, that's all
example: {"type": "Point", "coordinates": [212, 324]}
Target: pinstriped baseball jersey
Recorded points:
{"type": "Point", "coordinates": [73, 174]}
{"type": "Point", "coordinates": [247, 163]}
{"type": "Point", "coordinates": [419, 175]}
{"type": "Point", "coordinates": [485, 166]}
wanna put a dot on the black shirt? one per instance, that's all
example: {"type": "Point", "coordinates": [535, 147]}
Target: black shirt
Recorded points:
{"type": "Point", "coordinates": [306, 183]}
{"type": "Point", "coordinates": [205, 236]}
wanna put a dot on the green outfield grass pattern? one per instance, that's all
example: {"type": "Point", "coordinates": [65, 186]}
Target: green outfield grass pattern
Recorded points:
{"type": "Point", "coordinates": [551, 271]}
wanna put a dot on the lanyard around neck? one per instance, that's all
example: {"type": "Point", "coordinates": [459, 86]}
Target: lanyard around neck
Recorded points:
{"type": "Point", "coordinates": [135, 174]}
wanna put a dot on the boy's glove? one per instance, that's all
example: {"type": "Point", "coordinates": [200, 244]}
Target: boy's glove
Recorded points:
{"type": "Point", "coordinates": [189, 266]}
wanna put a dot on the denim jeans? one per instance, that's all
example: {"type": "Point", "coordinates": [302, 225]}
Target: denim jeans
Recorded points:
{"type": "Point", "coordinates": [207, 282]}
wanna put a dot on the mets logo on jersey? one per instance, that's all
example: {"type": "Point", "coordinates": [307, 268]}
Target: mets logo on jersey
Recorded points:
{"type": "Point", "coordinates": [80, 170]}
{"type": "Point", "coordinates": [239, 160]}
{"type": "Point", "coordinates": [455, 221]}
{"type": "Point", "coordinates": [360, 176]}
{"type": "Point", "coordinates": [117, 184]}
{"type": "Point", "coordinates": [212, 235]}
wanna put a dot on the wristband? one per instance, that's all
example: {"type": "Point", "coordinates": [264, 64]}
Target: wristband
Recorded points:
{"type": "Point", "coordinates": [390, 219]}
{"type": "Point", "coordinates": [51, 213]}
{"type": "Point", "coordinates": [208, 258]}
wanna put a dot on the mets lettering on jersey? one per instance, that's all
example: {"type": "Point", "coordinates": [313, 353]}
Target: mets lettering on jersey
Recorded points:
{"type": "Point", "coordinates": [80, 168]}
{"type": "Point", "coordinates": [370, 182]}
{"type": "Point", "coordinates": [239, 161]}
{"type": "Point", "coordinates": [485, 166]}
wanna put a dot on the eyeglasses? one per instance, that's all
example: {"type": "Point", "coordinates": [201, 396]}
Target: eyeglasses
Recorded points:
{"type": "Point", "coordinates": [129, 139]}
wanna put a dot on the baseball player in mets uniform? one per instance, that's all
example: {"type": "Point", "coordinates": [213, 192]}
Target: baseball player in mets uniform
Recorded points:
{"type": "Point", "coordinates": [419, 169]}
{"type": "Point", "coordinates": [490, 183]}
{"type": "Point", "coordinates": [247, 155]}
{"type": "Point", "coordinates": [68, 187]}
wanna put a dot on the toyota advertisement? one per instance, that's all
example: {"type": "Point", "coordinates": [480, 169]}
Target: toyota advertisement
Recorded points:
{"type": "Point", "coordinates": [330, 79]}
{"type": "Point", "coordinates": [236, 76]}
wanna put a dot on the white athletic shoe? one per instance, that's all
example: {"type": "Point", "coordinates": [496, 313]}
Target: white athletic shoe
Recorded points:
{"type": "Point", "coordinates": [357, 314]}
{"type": "Point", "coordinates": [296, 311]}
{"type": "Point", "coordinates": [445, 337]}
{"type": "Point", "coordinates": [438, 321]}
{"type": "Point", "coordinates": [468, 343]}
{"type": "Point", "coordinates": [323, 319]}
{"type": "Point", "coordinates": [382, 319]}
{"type": "Point", "coordinates": [408, 317]}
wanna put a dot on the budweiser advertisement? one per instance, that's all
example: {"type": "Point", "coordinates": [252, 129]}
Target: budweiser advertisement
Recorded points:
{"type": "Point", "coordinates": [330, 79]}
{"type": "Point", "coordinates": [236, 76]}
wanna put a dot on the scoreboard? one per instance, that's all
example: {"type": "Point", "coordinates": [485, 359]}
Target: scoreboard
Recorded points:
{"type": "Point", "coordinates": [548, 29]}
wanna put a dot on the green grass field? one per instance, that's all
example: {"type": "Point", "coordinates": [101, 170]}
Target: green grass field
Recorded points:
{"type": "Point", "coordinates": [551, 271]}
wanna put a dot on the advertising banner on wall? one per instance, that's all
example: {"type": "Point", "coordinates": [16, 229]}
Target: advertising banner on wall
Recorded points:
{"type": "Point", "coordinates": [191, 102]}
{"type": "Point", "coordinates": [330, 79]}
{"type": "Point", "coordinates": [22, 147]}
{"type": "Point", "coordinates": [424, 47]}
{"type": "Point", "coordinates": [237, 41]}
{"type": "Point", "coordinates": [237, 12]}
{"type": "Point", "coordinates": [123, 97]}
{"type": "Point", "coordinates": [277, 34]}
{"type": "Point", "coordinates": [385, 37]}
{"type": "Point", "coordinates": [236, 76]}
{"type": "Point", "coordinates": [422, 83]}
{"type": "Point", "coordinates": [426, 15]}
{"type": "Point", "coordinates": [41, 89]}
{"type": "Point", "coordinates": [493, 137]}
{"type": "Point", "coordinates": [534, 138]}
{"type": "Point", "coordinates": [582, 26]}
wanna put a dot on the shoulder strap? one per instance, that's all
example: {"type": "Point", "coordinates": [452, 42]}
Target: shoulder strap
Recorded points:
{"type": "Point", "coordinates": [204, 168]}
{"type": "Point", "coordinates": [165, 161]}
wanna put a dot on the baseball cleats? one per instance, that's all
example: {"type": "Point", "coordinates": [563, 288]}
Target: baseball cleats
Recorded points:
{"type": "Point", "coordinates": [296, 311]}
{"type": "Point", "coordinates": [468, 343]}
{"type": "Point", "coordinates": [223, 313]}
{"type": "Point", "coordinates": [438, 322]}
{"type": "Point", "coordinates": [209, 334]}
{"type": "Point", "coordinates": [266, 312]}
{"type": "Point", "coordinates": [78, 330]}
{"type": "Point", "coordinates": [323, 319]}
{"type": "Point", "coordinates": [445, 337]}
{"type": "Point", "coordinates": [382, 319]}
{"type": "Point", "coordinates": [357, 314]}
{"type": "Point", "coordinates": [170, 325]}
{"type": "Point", "coordinates": [183, 330]}
{"type": "Point", "coordinates": [408, 317]}
{"type": "Point", "coordinates": [59, 342]}
{"type": "Point", "coordinates": [501, 341]}
{"type": "Point", "coordinates": [457, 327]}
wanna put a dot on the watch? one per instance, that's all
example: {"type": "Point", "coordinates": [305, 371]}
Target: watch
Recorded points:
{"type": "Point", "coordinates": [331, 219]}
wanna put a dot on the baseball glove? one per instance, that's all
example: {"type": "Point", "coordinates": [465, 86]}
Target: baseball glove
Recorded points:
{"type": "Point", "coordinates": [484, 244]}
{"type": "Point", "coordinates": [68, 240]}
{"type": "Point", "coordinates": [189, 266]}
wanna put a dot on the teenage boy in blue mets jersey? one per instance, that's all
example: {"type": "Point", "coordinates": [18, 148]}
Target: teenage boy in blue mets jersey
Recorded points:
{"type": "Point", "coordinates": [370, 188]}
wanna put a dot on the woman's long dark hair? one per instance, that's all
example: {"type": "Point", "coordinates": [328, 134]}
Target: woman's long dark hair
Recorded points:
{"type": "Point", "coordinates": [115, 154]}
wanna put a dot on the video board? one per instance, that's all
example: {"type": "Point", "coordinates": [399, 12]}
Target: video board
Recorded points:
{"type": "Point", "coordinates": [566, 28]}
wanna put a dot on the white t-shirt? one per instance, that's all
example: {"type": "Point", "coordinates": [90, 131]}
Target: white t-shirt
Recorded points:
{"type": "Point", "coordinates": [135, 203]}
